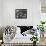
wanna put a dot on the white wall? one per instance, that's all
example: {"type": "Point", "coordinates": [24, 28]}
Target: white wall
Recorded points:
{"type": "Point", "coordinates": [0, 12]}
{"type": "Point", "coordinates": [33, 12]}
{"type": "Point", "coordinates": [36, 7]}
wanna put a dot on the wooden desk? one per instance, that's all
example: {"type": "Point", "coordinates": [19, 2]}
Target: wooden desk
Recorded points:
{"type": "Point", "coordinates": [16, 44]}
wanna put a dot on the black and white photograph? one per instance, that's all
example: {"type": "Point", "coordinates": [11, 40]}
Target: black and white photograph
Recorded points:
{"type": "Point", "coordinates": [20, 13]}
{"type": "Point", "coordinates": [22, 22]}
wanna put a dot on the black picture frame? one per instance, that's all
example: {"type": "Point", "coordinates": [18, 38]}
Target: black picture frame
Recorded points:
{"type": "Point", "coordinates": [20, 13]}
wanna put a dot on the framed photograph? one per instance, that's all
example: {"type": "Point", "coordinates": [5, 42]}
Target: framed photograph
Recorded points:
{"type": "Point", "coordinates": [20, 13]}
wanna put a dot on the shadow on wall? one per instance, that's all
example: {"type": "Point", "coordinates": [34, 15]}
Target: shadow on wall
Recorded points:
{"type": "Point", "coordinates": [1, 32]}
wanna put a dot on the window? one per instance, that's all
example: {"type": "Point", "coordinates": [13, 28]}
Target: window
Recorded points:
{"type": "Point", "coordinates": [43, 6]}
